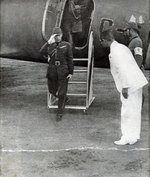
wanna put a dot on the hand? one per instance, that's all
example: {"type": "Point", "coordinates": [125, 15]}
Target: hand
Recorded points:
{"type": "Point", "coordinates": [142, 68]}
{"type": "Point", "coordinates": [48, 59]}
{"type": "Point", "coordinates": [51, 39]}
{"type": "Point", "coordinates": [69, 76]}
{"type": "Point", "coordinates": [125, 93]}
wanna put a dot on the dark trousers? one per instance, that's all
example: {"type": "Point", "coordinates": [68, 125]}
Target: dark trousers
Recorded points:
{"type": "Point", "coordinates": [58, 87]}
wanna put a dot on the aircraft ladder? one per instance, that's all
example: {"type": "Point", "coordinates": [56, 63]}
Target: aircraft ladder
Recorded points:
{"type": "Point", "coordinates": [88, 96]}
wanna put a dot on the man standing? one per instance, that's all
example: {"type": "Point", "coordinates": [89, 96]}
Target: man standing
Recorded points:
{"type": "Point", "coordinates": [136, 46]}
{"type": "Point", "coordinates": [60, 67]}
{"type": "Point", "coordinates": [135, 43]}
{"type": "Point", "coordinates": [129, 81]}
{"type": "Point", "coordinates": [72, 15]}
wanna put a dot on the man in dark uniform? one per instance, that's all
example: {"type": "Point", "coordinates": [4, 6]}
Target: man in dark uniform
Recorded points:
{"type": "Point", "coordinates": [136, 46]}
{"type": "Point", "coordinates": [135, 43]}
{"type": "Point", "coordinates": [60, 67]}
{"type": "Point", "coordinates": [72, 14]}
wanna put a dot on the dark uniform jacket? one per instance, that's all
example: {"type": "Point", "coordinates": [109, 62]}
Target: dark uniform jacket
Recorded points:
{"type": "Point", "coordinates": [136, 43]}
{"type": "Point", "coordinates": [61, 59]}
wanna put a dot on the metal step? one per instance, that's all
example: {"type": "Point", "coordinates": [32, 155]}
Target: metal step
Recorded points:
{"type": "Point", "coordinates": [80, 59]}
{"type": "Point", "coordinates": [76, 82]}
{"type": "Point", "coordinates": [80, 71]}
{"type": "Point", "coordinates": [70, 107]}
{"type": "Point", "coordinates": [76, 94]}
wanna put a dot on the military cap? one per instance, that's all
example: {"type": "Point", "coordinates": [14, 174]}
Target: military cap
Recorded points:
{"type": "Point", "coordinates": [132, 25]}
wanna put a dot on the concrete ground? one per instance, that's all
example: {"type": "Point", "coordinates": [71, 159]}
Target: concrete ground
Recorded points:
{"type": "Point", "coordinates": [33, 144]}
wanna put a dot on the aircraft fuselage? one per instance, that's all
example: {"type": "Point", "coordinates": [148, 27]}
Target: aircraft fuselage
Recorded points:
{"type": "Point", "coordinates": [22, 26]}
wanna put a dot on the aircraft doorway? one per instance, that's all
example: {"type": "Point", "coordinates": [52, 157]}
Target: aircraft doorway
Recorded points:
{"type": "Point", "coordinates": [52, 17]}
{"type": "Point", "coordinates": [76, 22]}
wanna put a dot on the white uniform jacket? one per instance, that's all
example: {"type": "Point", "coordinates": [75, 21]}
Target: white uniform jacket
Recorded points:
{"type": "Point", "coordinates": [124, 68]}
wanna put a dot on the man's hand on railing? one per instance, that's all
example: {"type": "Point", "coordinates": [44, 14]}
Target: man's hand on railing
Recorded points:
{"type": "Point", "coordinates": [69, 76]}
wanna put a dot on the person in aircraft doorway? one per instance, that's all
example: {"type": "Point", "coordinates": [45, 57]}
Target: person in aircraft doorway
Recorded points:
{"type": "Point", "coordinates": [60, 68]}
{"type": "Point", "coordinates": [72, 22]}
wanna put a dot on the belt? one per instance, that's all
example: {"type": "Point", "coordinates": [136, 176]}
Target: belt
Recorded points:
{"type": "Point", "coordinates": [57, 63]}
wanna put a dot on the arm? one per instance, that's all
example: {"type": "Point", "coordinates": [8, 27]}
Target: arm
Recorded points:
{"type": "Point", "coordinates": [70, 60]}
{"type": "Point", "coordinates": [138, 56]}
{"type": "Point", "coordinates": [43, 50]}
{"type": "Point", "coordinates": [120, 72]}
{"type": "Point", "coordinates": [138, 52]}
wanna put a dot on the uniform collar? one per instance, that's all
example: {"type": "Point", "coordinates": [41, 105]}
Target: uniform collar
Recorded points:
{"type": "Point", "coordinates": [113, 44]}
{"type": "Point", "coordinates": [130, 39]}
{"type": "Point", "coordinates": [133, 36]}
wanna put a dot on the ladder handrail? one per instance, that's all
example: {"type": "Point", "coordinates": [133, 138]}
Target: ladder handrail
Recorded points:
{"type": "Point", "coordinates": [90, 70]}
{"type": "Point", "coordinates": [44, 19]}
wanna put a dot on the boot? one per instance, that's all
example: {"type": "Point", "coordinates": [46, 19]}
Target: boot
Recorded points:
{"type": "Point", "coordinates": [58, 117]}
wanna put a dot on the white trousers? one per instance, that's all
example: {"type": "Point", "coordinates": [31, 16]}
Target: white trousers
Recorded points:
{"type": "Point", "coordinates": [131, 115]}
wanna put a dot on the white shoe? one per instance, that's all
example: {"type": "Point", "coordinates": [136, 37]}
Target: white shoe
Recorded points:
{"type": "Point", "coordinates": [124, 142]}
{"type": "Point", "coordinates": [133, 142]}
{"type": "Point", "coordinates": [121, 142]}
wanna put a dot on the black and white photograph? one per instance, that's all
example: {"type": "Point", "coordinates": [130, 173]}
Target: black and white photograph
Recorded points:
{"type": "Point", "coordinates": [74, 88]}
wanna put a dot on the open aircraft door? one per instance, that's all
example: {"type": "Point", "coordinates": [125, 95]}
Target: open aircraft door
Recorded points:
{"type": "Point", "coordinates": [52, 17]}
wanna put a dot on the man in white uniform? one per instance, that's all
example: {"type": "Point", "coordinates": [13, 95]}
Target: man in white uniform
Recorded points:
{"type": "Point", "coordinates": [129, 81]}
